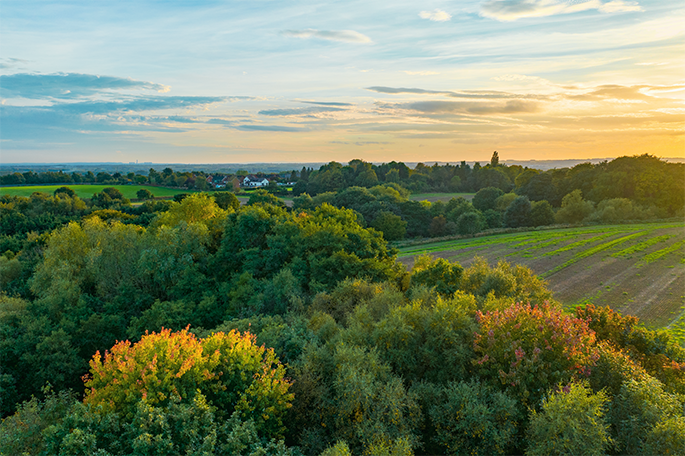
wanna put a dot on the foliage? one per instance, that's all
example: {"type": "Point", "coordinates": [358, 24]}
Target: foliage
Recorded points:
{"type": "Point", "coordinates": [640, 416]}
{"type": "Point", "coordinates": [471, 418]}
{"type": "Point", "coordinates": [347, 393]}
{"type": "Point", "coordinates": [261, 196]}
{"type": "Point", "coordinates": [144, 194]}
{"type": "Point", "coordinates": [574, 209]}
{"type": "Point", "coordinates": [392, 226]}
{"type": "Point", "coordinates": [518, 213]}
{"type": "Point", "coordinates": [485, 198]}
{"type": "Point", "coordinates": [22, 433]}
{"type": "Point", "coordinates": [438, 273]}
{"type": "Point", "coordinates": [229, 369]}
{"type": "Point", "coordinates": [227, 201]}
{"type": "Point", "coordinates": [526, 348]}
{"type": "Point", "coordinates": [571, 422]}
{"type": "Point", "coordinates": [541, 213]}
{"type": "Point", "coordinates": [470, 223]}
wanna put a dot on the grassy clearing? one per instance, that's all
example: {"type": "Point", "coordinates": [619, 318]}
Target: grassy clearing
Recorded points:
{"type": "Point", "coordinates": [636, 269]}
{"type": "Point", "coordinates": [87, 191]}
{"type": "Point", "coordinates": [445, 197]}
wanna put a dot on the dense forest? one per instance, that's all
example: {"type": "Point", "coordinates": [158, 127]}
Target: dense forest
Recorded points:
{"type": "Point", "coordinates": [198, 326]}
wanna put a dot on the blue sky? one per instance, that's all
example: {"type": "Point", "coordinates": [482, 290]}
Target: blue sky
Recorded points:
{"type": "Point", "coordinates": [287, 81]}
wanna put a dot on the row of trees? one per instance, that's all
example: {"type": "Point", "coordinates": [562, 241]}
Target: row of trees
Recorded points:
{"type": "Point", "coordinates": [645, 180]}
{"type": "Point", "coordinates": [258, 330]}
{"type": "Point", "coordinates": [167, 178]}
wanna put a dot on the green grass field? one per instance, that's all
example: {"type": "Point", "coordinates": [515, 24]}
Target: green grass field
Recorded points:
{"type": "Point", "coordinates": [445, 197]}
{"type": "Point", "coordinates": [87, 191]}
{"type": "Point", "coordinates": [635, 269]}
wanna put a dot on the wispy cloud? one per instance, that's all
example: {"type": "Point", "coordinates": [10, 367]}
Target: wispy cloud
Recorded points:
{"type": "Point", "coordinates": [269, 128]}
{"type": "Point", "coordinates": [347, 36]}
{"type": "Point", "coordinates": [452, 94]}
{"type": "Point", "coordinates": [435, 15]}
{"type": "Point", "coordinates": [511, 10]}
{"type": "Point", "coordinates": [421, 73]}
{"type": "Point", "coordinates": [300, 111]}
{"type": "Point", "coordinates": [360, 143]}
{"type": "Point", "coordinates": [478, 108]}
{"type": "Point", "coordinates": [327, 103]}
{"type": "Point", "coordinates": [139, 104]}
{"type": "Point", "coordinates": [68, 86]}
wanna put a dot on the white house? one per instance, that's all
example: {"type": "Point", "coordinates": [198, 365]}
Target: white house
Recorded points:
{"type": "Point", "coordinates": [253, 181]}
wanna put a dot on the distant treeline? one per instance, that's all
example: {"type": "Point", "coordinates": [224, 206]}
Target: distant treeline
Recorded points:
{"type": "Point", "coordinates": [167, 178]}
{"type": "Point", "coordinates": [644, 179]}
{"type": "Point", "coordinates": [625, 189]}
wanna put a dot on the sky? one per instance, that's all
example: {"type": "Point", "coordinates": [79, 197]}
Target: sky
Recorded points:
{"type": "Point", "coordinates": [301, 81]}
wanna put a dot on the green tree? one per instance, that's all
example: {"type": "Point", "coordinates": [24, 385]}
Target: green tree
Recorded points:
{"type": "Point", "coordinates": [541, 213]}
{"type": "Point", "coordinates": [65, 191]}
{"type": "Point", "coordinates": [470, 418]}
{"type": "Point", "coordinates": [571, 422]}
{"type": "Point", "coordinates": [392, 226]}
{"type": "Point", "coordinates": [261, 196]}
{"type": "Point", "coordinates": [574, 209]}
{"type": "Point", "coordinates": [144, 194]}
{"type": "Point", "coordinates": [226, 200]}
{"type": "Point", "coordinates": [470, 223]}
{"type": "Point", "coordinates": [640, 415]}
{"type": "Point", "coordinates": [518, 213]}
{"type": "Point", "coordinates": [494, 161]}
{"type": "Point", "coordinates": [485, 198]}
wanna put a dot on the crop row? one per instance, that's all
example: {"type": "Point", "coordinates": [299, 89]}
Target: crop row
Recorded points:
{"type": "Point", "coordinates": [642, 245]}
{"type": "Point", "coordinates": [659, 253]}
{"type": "Point", "coordinates": [594, 250]}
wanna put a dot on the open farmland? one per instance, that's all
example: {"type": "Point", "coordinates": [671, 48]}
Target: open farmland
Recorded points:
{"type": "Point", "coordinates": [636, 269]}
{"type": "Point", "coordinates": [87, 191]}
{"type": "Point", "coordinates": [444, 197]}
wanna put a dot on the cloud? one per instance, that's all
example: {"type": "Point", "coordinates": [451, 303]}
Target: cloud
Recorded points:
{"type": "Point", "coordinates": [269, 128]}
{"type": "Point", "coordinates": [347, 36]}
{"type": "Point", "coordinates": [469, 94]}
{"type": "Point", "coordinates": [360, 143]}
{"type": "Point", "coordinates": [68, 86]}
{"type": "Point", "coordinates": [619, 6]}
{"type": "Point", "coordinates": [421, 73]}
{"type": "Point", "coordinates": [511, 10]}
{"type": "Point", "coordinates": [436, 15]}
{"type": "Point", "coordinates": [478, 108]}
{"type": "Point", "coordinates": [299, 111]}
{"type": "Point", "coordinates": [139, 104]}
{"type": "Point", "coordinates": [330, 103]}
{"type": "Point", "coordinates": [381, 89]}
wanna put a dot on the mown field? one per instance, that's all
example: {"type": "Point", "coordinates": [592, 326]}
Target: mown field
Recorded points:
{"type": "Point", "coordinates": [635, 269]}
{"type": "Point", "coordinates": [445, 197]}
{"type": "Point", "coordinates": [87, 191]}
